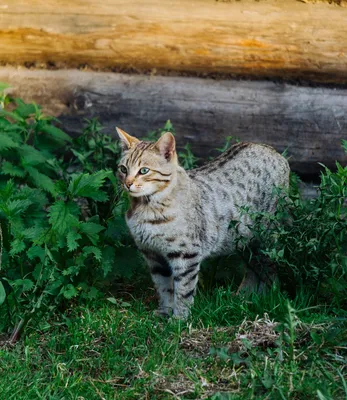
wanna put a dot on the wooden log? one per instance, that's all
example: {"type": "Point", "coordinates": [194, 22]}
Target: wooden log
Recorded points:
{"type": "Point", "coordinates": [264, 39]}
{"type": "Point", "coordinates": [307, 122]}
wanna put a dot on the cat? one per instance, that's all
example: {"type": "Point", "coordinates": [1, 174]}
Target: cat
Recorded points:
{"type": "Point", "coordinates": [178, 218]}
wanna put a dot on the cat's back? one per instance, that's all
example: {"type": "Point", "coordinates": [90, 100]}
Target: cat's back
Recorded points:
{"type": "Point", "coordinates": [244, 175]}
{"type": "Point", "coordinates": [246, 159]}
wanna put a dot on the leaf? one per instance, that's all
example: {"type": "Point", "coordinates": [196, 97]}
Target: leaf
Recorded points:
{"type": "Point", "coordinates": [112, 300]}
{"type": "Point", "coordinates": [17, 246]}
{"type": "Point", "coordinates": [6, 142]}
{"type": "Point", "coordinates": [30, 156]}
{"type": "Point", "coordinates": [12, 115]}
{"type": "Point", "coordinates": [15, 207]}
{"type": "Point", "coordinates": [25, 284]}
{"type": "Point", "coordinates": [56, 133]}
{"type": "Point", "coordinates": [36, 195]}
{"type": "Point", "coordinates": [93, 293]}
{"type": "Point", "coordinates": [69, 291]}
{"type": "Point", "coordinates": [321, 396]}
{"type": "Point", "coordinates": [93, 250]}
{"type": "Point", "coordinates": [344, 145]}
{"type": "Point", "coordinates": [267, 381]}
{"type": "Point", "coordinates": [2, 293]}
{"type": "Point", "coordinates": [63, 216]}
{"type": "Point", "coordinates": [86, 185]}
{"type": "Point", "coordinates": [91, 230]}
{"type": "Point", "coordinates": [316, 338]}
{"type": "Point", "coordinates": [41, 180]}
{"type": "Point", "coordinates": [33, 232]}
{"type": "Point", "coordinates": [71, 239]}
{"type": "Point", "coordinates": [12, 170]}
{"type": "Point", "coordinates": [5, 124]}
{"type": "Point", "coordinates": [81, 156]}
{"type": "Point", "coordinates": [24, 110]}
{"type": "Point", "coordinates": [7, 191]}
{"type": "Point", "coordinates": [36, 251]}
{"type": "Point", "coordinates": [108, 259]}
{"type": "Point", "coordinates": [73, 270]}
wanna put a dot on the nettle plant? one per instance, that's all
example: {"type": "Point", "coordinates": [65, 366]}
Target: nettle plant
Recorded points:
{"type": "Point", "coordinates": [62, 228]}
{"type": "Point", "coordinates": [307, 239]}
{"type": "Point", "coordinates": [61, 214]}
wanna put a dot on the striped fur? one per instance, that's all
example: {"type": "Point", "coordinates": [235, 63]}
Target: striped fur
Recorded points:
{"type": "Point", "coordinates": [178, 218]}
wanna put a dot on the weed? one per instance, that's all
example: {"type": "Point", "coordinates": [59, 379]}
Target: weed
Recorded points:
{"type": "Point", "coordinates": [62, 224]}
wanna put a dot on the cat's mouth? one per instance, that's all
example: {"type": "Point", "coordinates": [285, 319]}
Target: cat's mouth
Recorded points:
{"type": "Point", "coordinates": [133, 191]}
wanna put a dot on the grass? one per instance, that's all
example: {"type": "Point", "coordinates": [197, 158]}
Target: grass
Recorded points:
{"type": "Point", "coordinates": [228, 350]}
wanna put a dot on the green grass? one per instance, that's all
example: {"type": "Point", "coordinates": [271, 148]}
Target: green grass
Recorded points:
{"type": "Point", "coordinates": [227, 350]}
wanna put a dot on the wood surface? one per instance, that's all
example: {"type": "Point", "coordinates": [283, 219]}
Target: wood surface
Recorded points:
{"type": "Point", "coordinates": [285, 39]}
{"type": "Point", "coordinates": [308, 122]}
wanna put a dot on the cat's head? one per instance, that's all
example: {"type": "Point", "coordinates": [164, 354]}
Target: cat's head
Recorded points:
{"type": "Point", "coordinates": [147, 168]}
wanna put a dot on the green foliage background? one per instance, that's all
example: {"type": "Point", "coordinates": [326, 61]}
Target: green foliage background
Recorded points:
{"type": "Point", "coordinates": [61, 211]}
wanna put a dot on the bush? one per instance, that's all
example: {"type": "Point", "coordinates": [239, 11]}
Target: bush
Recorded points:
{"type": "Point", "coordinates": [307, 239]}
{"type": "Point", "coordinates": [61, 215]}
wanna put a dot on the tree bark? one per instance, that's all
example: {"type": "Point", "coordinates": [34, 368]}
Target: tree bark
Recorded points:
{"type": "Point", "coordinates": [263, 39]}
{"type": "Point", "coordinates": [307, 122]}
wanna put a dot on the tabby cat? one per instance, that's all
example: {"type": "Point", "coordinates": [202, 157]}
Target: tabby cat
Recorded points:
{"type": "Point", "coordinates": [178, 218]}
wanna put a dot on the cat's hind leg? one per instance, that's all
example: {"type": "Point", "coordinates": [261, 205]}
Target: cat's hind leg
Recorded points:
{"type": "Point", "coordinates": [258, 278]}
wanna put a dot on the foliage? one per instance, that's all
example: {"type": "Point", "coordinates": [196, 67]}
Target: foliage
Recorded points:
{"type": "Point", "coordinates": [61, 215]}
{"type": "Point", "coordinates": [307, 239]}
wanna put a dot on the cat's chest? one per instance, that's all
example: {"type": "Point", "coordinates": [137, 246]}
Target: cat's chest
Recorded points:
{"type": "Point", "coordinates": [151, 228]}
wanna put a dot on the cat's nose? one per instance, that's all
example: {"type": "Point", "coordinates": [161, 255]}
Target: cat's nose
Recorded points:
{"type": "Point", "coordinates": [129, 182]}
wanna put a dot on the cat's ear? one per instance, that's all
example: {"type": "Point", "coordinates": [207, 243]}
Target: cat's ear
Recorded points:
{"type": "Point", "coordinates": [127, 141]}
{"type": "Point", "coordinates": [166, 145]}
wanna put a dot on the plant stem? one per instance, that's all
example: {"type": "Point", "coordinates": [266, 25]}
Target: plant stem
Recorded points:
{"type": "Point", "coordinates": [17, 331]}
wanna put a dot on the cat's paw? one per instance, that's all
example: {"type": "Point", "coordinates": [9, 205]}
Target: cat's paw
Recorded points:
{"type": "Point", "coordinates": [163, 313]}
{"type": "Point", "coordinates": [182, 315]}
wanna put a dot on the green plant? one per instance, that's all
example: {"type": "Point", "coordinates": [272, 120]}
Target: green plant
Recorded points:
{"type": "Point", "coordinates": [187, 158]}
{"type": "Point", "coordinates": [307, 239]}
{"type": "Point", "coordinates": [61, 217]}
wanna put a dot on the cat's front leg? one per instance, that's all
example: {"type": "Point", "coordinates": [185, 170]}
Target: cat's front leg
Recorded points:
{"type": "Point", "coordinates": [162, 277]}
{"type": "Point", "coordinates": [185, 280]}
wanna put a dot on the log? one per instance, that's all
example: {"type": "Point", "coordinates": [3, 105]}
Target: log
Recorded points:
{"type": "Point", "coordinates": [307, 122]}
{"type": "Point", "coordinates": [264, 39]}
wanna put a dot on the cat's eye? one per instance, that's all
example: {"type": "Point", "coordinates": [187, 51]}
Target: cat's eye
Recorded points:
{"type": "Point", "coordinates": [144, 171]}
{"type": "Point", "coordinates": [123, 169]}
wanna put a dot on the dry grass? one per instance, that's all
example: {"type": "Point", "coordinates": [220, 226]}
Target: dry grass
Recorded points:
{"type": "Point", "coordinates": [197, 344]}
{"type": "Point", "coordinates": [258, 333]}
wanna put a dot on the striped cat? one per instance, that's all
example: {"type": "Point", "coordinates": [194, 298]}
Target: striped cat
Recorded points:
{"type": "Point", "coordinates": [178, 218]}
